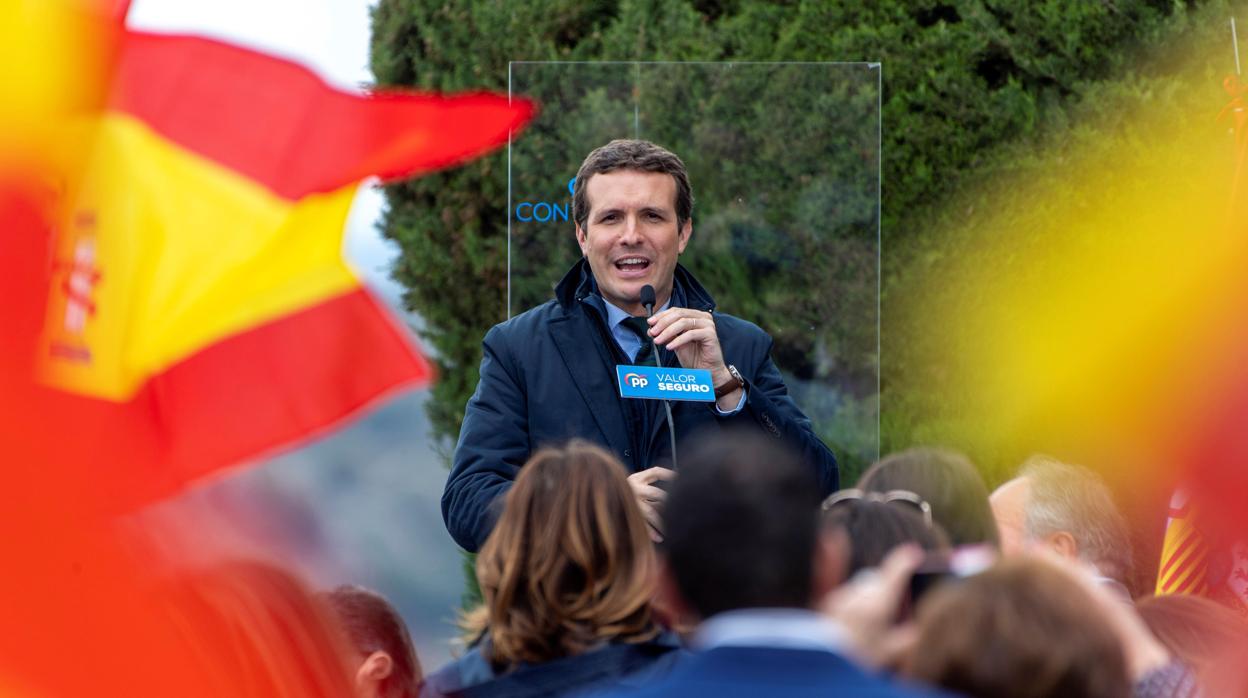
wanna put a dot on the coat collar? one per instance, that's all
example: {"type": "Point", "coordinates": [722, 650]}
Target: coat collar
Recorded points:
{"type": "Point", "coordinates": [579, 284]}
{"type": "Point", "coordinates": [569, 330]}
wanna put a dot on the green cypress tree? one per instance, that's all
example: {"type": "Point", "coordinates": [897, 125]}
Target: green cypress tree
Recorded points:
{"type": "Point", "coordinates": [961, 79]}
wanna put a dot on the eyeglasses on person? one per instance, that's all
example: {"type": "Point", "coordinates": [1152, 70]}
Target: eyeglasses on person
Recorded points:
{"type": "Point", "coordinates": [904, 496]}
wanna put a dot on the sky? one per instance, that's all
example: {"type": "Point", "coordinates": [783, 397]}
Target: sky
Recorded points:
{"type": "Point", "coordinates": [329, 36]}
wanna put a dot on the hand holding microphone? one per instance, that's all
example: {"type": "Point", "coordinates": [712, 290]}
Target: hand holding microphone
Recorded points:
{"type": "Point", "coordinates": [691, 335]}
{"type": "Point", "coordinates": [648, 484]}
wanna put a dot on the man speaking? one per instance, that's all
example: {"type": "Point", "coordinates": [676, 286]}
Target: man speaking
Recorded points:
{"type": "Point", "coordinates": [549, 374]}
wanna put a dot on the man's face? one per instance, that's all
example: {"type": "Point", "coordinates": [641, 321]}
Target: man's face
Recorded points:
{"type": "Point", "coordinates": [1009, 508]}
{"type": "Point", "coordinates": [630, 237]}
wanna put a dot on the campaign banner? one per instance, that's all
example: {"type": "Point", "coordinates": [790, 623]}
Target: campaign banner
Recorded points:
{"type": "Point", "coordinates": [654, 383]}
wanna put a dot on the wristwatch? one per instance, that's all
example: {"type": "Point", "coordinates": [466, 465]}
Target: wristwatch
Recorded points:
{"type": "Point", "coordinates": [733, 383]}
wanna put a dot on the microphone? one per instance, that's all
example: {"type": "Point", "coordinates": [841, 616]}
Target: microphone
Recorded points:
{"type": "Point", "coordinates": [648, 299]}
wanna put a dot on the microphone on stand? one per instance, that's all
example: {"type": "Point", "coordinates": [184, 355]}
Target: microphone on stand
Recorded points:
{"type": "Point", "coordinates": [648, 300]}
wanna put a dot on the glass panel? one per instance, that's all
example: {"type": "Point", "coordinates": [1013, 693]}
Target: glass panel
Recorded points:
{"type": "Point", "coordinates": [784, 162]}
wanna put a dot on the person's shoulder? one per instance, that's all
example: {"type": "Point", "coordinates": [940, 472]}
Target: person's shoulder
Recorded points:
{"type": "Point", "coordinates": [469, 670]}
{"type": "Point", "coordinates": [736, 332]}
{"type": "Point", "coordinates": [749, 671]}
{"type": "Point", "coordinates": [784, 671]}
{"type": "Point", "coordinates": [659, 688]}
{"type": "Point", "coordinates": [888, 687]}
{"type": "Point", "coordinates": [732, 323]}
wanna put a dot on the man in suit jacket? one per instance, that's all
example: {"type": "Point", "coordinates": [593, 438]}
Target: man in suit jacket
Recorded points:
{"type": "Point", "coordinates": [744, 559]}
{"type": "Point", "coordinates": [549, 374]}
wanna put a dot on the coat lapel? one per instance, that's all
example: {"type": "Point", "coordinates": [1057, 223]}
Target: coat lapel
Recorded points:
{"type": "Point", "coordinates": [588, 362]}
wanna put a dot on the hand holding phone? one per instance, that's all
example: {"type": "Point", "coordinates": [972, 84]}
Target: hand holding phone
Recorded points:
{"type": "Point", "coordinates": [866, 607]}
{"type": "Point", "coordinates": [950, 565]}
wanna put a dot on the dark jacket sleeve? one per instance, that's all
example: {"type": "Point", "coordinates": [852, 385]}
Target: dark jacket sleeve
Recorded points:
{"type": "Point", "coordinates": [493, 444]}
{"type": "Point", "coordinates": [768, 403]}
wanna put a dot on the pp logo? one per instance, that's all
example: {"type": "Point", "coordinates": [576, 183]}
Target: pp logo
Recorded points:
{"type": "Point", "coordinates": [634, 380]}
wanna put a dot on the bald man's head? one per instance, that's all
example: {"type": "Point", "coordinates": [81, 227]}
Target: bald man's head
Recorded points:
{"type": "Point", "coordinates": [1009, 508]}
{"type": "Point", "coordinates": [1067, 509]}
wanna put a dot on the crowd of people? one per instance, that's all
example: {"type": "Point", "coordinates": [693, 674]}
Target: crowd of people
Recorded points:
{"type": "Point", "coordinates": [916, 582]}
{"type": "Point", "coordinates": [608, 567]}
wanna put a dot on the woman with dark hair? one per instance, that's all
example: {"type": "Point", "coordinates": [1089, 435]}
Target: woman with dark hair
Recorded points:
{"type": "Point", "coordinates": [875, 525]}
{"type": "Point", "coordinates": [567, 575]}
{"type": "Point", "coordinates": [948, 482]}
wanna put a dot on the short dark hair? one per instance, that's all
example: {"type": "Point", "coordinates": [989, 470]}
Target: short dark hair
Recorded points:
{"type": "Point", "coordinates": [630, 154]}
{"type": "Point", "coordinates": [948, 482]}
{"type": "Point", "coordinates": [740, 525]}
{"type": "Point", "coordinates": [875, 528]}
{"type": "Point", "coordinates": [372, 624]}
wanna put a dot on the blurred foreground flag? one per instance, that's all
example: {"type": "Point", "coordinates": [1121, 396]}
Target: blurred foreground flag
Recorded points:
{"type": "Point", "coordinates": [199, 311]}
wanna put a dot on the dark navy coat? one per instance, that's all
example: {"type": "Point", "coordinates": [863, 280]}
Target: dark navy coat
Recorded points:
{"type": "Point", "coordinates": [748, 672]}
{"type": "Point", "coordinates": [615, 665]}
{"type": "Point", "coordinates": [548, 375]}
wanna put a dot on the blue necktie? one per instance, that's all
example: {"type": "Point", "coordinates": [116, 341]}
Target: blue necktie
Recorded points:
{"type": "Point", "coordinates": [640, 327]}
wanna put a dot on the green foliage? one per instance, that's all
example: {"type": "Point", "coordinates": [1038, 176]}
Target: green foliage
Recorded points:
{"type": "Point", "coordinates": [962, 80]}
{"type": "Point", "coordinates": [1110, 125]}
{"type": "Point", "coordinates": [784, 234]}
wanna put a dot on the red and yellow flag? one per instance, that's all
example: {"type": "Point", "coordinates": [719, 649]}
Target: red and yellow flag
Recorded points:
{"type": "Point", "coordinates": [173, 300]}
{"type": "Point", "coordinates": [1184, 553]}
{"type": "Point", "coordinates": [199, 311]}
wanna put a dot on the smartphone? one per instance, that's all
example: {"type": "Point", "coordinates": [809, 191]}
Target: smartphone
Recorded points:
{"type": "Point", "coordinates": [946, 566]}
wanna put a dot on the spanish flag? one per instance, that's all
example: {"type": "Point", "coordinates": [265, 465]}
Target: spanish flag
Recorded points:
{"type": "Point", "coordinates": [199, 311]}
{"type": "Point", "coordinates": [173, 301]}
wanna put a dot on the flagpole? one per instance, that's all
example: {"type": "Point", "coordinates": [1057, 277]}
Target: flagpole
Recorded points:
{"type": "Point", "coordinates": [1236, 109]}
{"type": "Point", "coordinates": [1235, 44]}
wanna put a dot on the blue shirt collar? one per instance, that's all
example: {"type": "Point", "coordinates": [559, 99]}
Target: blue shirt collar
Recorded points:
{"type": "Point", "coordinates": [771, 627]}
{"type": "Point", "coordinates": [617, 315]}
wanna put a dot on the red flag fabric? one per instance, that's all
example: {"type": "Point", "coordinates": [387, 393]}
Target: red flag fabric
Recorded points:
{"type": "Point", "coordinates": [198, 312]}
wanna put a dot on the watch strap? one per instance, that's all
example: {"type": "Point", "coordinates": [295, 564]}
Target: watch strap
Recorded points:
{"type": "Point", "coordinates": [736, 381]}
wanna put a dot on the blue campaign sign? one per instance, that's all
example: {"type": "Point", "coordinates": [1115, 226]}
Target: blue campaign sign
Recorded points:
{"type": "Point", "coordinates": [653, 383]}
